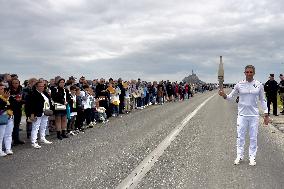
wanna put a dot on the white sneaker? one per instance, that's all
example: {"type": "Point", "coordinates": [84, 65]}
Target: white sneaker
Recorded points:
{"type": "Point", "coordinates": [9, 152]}
{"type": "Point", "coordinates": [35, 145]}
{"type": "Point", "coordinates": [2, 154]}
{"type": "Point", "coordinates": [238, 161]}
{"type": "Point", "coordinates": [252, 162]}
{"type": "Point", "coordinates": [45, 141]}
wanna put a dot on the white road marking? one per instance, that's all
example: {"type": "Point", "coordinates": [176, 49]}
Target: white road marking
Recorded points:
{"type": "Point", "coordinates": [132, 180]}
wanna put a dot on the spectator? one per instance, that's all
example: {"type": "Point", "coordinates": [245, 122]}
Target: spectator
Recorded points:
{"type": "Point", "coordinates": [160, 93]}
{"type": "Point", "coordinates": [40, 105]}
{"type": "Point", "coordinates": [101, 115]}
{"type": "Point", "coordinates": [7, 80]}
{"type": "Point", "coordinates": [6, 129]}
{"type": "Point", "coordinates": [104, 96]}
{"type": "Point", "coordinates": [271, 89]}
{"type": "Point", "coordinates": [121, 96]}
{"type": "Point", "coordinates": [60, 96]}
{"type": "Point", "coordinates": [127, 98]}
{"type": "Point", "coordinates": [16, 105]}
{"type": "Point", "coordinates": [80, 112]}
{"type": "Point", "coordinates": [73, 110]}
{"type": "Point", "coordinates": [281, 91]}
{"type": "Point", "coordinates": [87, 101]}
{"type": "Point", "coordinates": [170, 91]}
{"type": "Point", "coordinates": [27, 91]}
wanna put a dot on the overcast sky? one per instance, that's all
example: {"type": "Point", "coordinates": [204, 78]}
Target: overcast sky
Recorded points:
{"type": "Point", "coordinates": [150, 39]}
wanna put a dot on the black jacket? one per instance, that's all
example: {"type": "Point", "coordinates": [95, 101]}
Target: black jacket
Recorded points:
{"type": "Point", "coordinates": [271, 88]}
{"type": "Point", "coordinates": [281, 86]}
{"type": "Point", "coordinates": [16, 105]}
{"type": "Point", "coordinates": [27, 92]}
{"type": "Point", "coordinates": [122, 93]}
{"type": "Point", "coordinates": [37, 103]}
{"type": "Point", "coordinates": [101, 91]}
{"type": "Point", "coordinates": [58, 96]}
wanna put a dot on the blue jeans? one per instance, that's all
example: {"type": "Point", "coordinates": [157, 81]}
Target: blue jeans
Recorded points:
{"type": "Point", "coordinates": [115, 109]}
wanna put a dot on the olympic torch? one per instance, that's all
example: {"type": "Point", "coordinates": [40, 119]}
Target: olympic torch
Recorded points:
{"type": "Point", "coordinates": [221, 74]}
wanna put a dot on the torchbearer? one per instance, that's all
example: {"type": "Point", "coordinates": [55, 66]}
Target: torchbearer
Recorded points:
{"type": "Point", "coordinates": [249, 91]}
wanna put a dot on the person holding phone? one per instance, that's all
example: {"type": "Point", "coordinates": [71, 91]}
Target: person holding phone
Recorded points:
{"type": "Point", "coordinates": [6, 128]}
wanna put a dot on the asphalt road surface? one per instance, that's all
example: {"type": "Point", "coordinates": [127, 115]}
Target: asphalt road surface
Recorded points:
{"type": "Point", "coordinates": [193, 144]}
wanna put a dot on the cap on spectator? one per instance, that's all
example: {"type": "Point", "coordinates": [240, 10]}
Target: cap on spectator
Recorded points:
{"type": "Point", "coordinates": [14, 75]}
{"type": "Point", "coordinates": [82, 77]}
{"type": "Point", "coordinates": [271, 75]}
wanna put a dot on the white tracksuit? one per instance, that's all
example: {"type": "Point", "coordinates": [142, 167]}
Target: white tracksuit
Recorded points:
{"type": "Point", "coordinates": [248, 113]}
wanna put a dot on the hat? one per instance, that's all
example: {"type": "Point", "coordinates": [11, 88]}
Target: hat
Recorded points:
{"type": "Point", "coordinates": [281, 75]}
{"type": "Point", "coordinates": [271, 75]}
{"type": "Point", "coordinates": [72, 78]}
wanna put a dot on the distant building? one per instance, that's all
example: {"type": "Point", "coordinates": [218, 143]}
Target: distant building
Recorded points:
{"type": "Point", "coordinates": [193, 79]}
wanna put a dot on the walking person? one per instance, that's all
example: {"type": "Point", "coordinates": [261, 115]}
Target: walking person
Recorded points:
{"type": "Point", "coordinates": [249, 91]}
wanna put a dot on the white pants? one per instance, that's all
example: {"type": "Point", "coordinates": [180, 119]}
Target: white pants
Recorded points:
{"type": "Point", "coordinates": [250, 122]}
{"type": "Point", "coordinates": [6, 134]}
{"type": "Point", "coordinates": [39, 124]}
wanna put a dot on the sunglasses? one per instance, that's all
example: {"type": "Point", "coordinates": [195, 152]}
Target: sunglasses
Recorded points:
{"type": "Point", "coordinates": [248, 72]}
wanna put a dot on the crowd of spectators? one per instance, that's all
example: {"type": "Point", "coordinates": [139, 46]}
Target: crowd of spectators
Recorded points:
{"type": "Point", "coordinates": [69, 107]}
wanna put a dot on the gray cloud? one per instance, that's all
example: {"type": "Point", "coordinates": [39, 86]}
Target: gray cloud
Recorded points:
{"type": "Point", "coordinates": [149, 39]}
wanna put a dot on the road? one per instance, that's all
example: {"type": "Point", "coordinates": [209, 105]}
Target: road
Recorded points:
{"type": "Point", "coordinates": [200, 155]}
